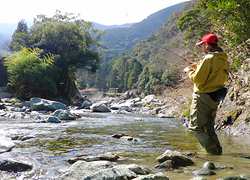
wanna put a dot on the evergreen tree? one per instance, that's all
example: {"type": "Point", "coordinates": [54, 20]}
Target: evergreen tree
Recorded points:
{"type": "Point", "coordinates": [134, 74]}
{"type": "Point", "coordinates": [114, 79]}
{"type": "Point", "coordinates": [143, 79]}
{"type": "Point", "coordinates": [122, 72]}
{"type": "Point", "coordinates": [20, 38]}
{"type": "Point", "coordinates": [125, 81]}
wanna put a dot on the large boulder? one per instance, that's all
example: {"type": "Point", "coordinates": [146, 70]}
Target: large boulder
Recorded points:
{"type": "Point", "coordinates": [151, 99]}
{"type": "Point", "coordinates": [86, 104]}
{"type": "Point", "coordinates": [38, 104]}
{"type": "Point", "coordinates": [158, 176]}
{"type": "Point", "coordinates": [100, 107]}
{"type": "Point", "coordinates": [109, 173]}
{"type": "Point", "coordinates": [178, 158]}
{"type": "Point", "coordinates": [63, 114]}
{"type": "Point", "coordinates": [81, 169]}
{"type": "Point", "coordinates": [11, 165]}
{"type": "Point", "coordinates": [6, 145]}
{"type": "Point", "coordinates": [203, 172]}
{"type": "Point", "coordinates": [104, 170]}
{"type": "Point", "coordinates": [108, 156]}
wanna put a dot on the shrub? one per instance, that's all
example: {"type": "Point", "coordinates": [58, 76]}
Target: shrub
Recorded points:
{"type": "Point", "coordinates": [30, 75]}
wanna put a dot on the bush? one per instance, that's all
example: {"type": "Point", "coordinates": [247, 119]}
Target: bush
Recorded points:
{"type": "Point", "coordinates": [30, 75]}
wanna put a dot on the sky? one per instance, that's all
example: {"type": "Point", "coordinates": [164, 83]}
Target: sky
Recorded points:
{"type": "Point", "coordinates": [105, 12]}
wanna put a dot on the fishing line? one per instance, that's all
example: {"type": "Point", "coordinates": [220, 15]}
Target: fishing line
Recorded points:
{"type": "Point", "coordinates": [178, 55]}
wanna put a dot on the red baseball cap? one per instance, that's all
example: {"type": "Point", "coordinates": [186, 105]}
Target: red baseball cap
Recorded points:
{"type": "Point", "coordinates": [208, 38]}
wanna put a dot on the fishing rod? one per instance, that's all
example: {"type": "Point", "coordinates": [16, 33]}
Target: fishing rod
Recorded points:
{"type": "Point", "coordinates": [178, 56]}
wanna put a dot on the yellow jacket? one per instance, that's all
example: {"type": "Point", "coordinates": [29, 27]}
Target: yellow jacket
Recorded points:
{"type": "Point", "coordinates": [211, 73]}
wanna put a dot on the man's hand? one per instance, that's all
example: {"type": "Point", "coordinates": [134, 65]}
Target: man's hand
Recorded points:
{"type": "Point", "coordinates": [186, 70]}
{"type": "Point", "coordinates": [193, 64]}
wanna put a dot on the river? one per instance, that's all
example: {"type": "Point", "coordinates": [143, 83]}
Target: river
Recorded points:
{"type": "Point", "coordinates": [91, 135]}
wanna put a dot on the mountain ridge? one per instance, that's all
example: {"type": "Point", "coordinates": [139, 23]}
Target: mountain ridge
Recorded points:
{"type": "Point", "coordinates": [123, 39]}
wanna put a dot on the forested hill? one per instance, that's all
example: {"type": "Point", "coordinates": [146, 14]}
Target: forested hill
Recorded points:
{"type": "Point", "coordinates": [123, 39]}
{"type": "Point", "coordinates": [154, 63]}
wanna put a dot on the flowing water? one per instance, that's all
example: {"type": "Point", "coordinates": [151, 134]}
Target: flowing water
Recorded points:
{"type": "Point", "coordinates": [91, 135]}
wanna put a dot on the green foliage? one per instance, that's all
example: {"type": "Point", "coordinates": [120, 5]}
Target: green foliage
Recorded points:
{"type": "Point", "coordinates": [161, 69]}
{"type": "Point", "coordinates": [72, 39]}
{"type": "Point", "coordinates": [228, 19]}
{"type": "Point", "coordinates": [30, 75]}
{"type": "Point", "coordinates": [21, 37]}
{"type": "Point", "coordinates": [114, 79]}
{"type": "Point", "coordinates": [186, 113]}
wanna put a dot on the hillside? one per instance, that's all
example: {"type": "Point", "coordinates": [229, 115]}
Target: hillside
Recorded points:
{"type": "Point", "coordinates": [104, 27]}
{"type": "Point", "coordinates": [123, 39]}
{"type": "Point", "coordinates": [148, 50]}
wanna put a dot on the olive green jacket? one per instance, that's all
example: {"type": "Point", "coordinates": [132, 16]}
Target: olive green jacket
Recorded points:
{"type": "Point", "coordinates": [212, 71]}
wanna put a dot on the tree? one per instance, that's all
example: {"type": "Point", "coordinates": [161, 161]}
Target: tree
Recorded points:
{"type": "Point", "coordinates": [32, 75]}
{"type": "Point", "coordinates": [122, 72]}
{"type": "Point", "coordinates": [73, 40]}
{"type": "Point", "coordinates": [143, 79]}
{"type": "Point", "coordinates": [114, 79]}
{"type": "Point", "coordinates": [21, 37]}
{"type": "Point", "coordinates": [134, 73]}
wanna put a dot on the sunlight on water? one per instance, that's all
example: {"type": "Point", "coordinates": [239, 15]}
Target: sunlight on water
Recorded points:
{"type": "Point", "coordinates": [91, 135]}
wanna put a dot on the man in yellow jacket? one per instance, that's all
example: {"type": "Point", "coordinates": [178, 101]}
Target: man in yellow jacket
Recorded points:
{"type": "Point", "coordinates": [209, 77]}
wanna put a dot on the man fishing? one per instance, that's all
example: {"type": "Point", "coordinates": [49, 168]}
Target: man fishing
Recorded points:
{"type": "Point", "coordinates": [209, 76]}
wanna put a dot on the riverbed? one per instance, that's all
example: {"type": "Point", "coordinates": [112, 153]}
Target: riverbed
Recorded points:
{"type": "Point", "coordinates": [92, 135]}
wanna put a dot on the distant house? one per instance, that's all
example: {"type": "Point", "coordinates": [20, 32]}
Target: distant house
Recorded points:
{"type": "Point", "coordinates": [114, 90]}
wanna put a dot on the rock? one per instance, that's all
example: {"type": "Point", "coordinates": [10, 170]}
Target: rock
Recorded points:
{"type": "Point", "coordinates": [103, 170]}
{"type": "Point", "coordinates": [2, 106]}
{"type": "Point", "coordinates": [126, 95]}
{"type": "Point", "coordinates": [82, 169]}
{"type": "Point", "coordinates": [110, 173]}
{"type": "Point", "coordinates": [134, 167]}
{"type": "Point", "coordinates": [118, 135]}
{"type": "Point", "coordinates": [129, 138]}
{"type": "Point", "coordinates": [5, 145]}
{"type": "Point", "coordinates": [86, 104]}
{"type": "Point", "coordinates": [178, 158]}
{"type": "Point", "coordinates": [232, 178]}
{"type": "Point", "coordinates": [203, 172]}
{"type": "Point", "coordinates": [245, 176]}
{"type": "Point", "coordinates": [99, 107]}
{"type": "Point", "coordinates": [37, 104]}
{"type": "Point", "coordinates": [13, 165]}
{"type": "Point", "coordinates": [198, 178]}
{"type": "Point", "coordinates": [126, 171]}
{"type": "Point", "coordinates": [149, 99]}
{"type": "Point", "coordinates": [41, 118]}
{"type": "Point", "coordinates": [165, 115]}
{"type": "Point", "coordinates": [63, 114]}
{"type": "Point", "coordinates": [158, 176]}
{"type": "Point", "coordinates": [23, 137]}
{"type": "Point", "coordinates": [53, 119]}
{"type": "Point", "coordinates": [168, 164]}
{"type": "Point", "coordinates": [209, 165]}
{"type": "Point", "coordinates": [106, 156]}
{"type": "Point", "coordinates": [139, 119]}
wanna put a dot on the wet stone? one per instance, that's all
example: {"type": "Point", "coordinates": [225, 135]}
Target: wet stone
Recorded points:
{"type": "Point", "coordinates": [209, 165]}
{"type": "Point", "coordinates": [203, 172]}
{"type": "Point", "coordinates": [14, 166]}
{"type": "Point", "coordinates": [169, 164]}
{"type": "Point", "coordinates": [233, 178]}
{"type": "Point", "coordinates": [178, 158]}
